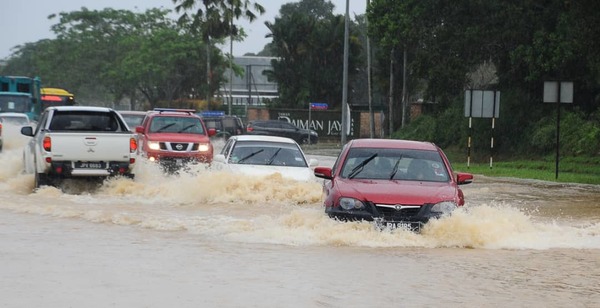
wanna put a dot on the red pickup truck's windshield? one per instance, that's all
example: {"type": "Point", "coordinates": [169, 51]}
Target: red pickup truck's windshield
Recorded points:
{"type": "Point", "coordinates": [181, 125]}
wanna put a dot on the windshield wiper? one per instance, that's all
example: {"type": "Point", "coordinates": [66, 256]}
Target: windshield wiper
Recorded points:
{"type": "Point", "coordinates": [395, 169]}
{"type": "Point", "coordinates": [273, 156]}
{"type": "Point", "coordinates": [186, 128]}
{"type": "Point", "coordinates": [164, 127]}
{"type": "Point", "coordinates": [360, 166]}
{"type": "Point", "coordinates": [250, 155]}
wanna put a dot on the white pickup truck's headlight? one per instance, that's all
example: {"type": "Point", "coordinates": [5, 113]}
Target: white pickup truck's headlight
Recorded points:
{"type": "Point", "coordinates": [444, 207]}
{"type": "Point", "coordinates": [203, 147]}
{"type": "Point", "coordinates": [351, 203]}
{"type": "Point", "coordinates": [153, 145]}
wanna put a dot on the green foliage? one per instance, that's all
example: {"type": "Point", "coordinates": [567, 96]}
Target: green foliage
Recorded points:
{"type": "Point", "coordinates": [214, 18]}
{"type": "Point", "coordinates": [122, 53]}
{"type": "Point", "coordinates": [308, 41]}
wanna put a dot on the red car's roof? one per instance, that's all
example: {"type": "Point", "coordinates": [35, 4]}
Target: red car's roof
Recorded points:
{"type": "Point", "coordinates": [392, 144]}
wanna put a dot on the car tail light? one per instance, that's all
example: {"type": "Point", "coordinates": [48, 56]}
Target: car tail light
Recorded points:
{"type": "Point", "coordinates": [0, 129]}
{"type": "Point", "coordinates": [47, 144]}
{"type": "Point", "coordinates": [132, 145]}
{"type": "Point", "coordinates": [132, 160]}
{"type": "Point", "coordinates": [249, 129]}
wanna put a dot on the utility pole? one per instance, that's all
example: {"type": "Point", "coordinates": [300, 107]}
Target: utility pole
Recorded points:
{"type": "Point", "coordinates": [230, 61]}
{"type": "Point", "coordinates": [371, 115]}
{"type": "Point", "coordinates": [391, 94]}
{"type": "Point", "coordinates": [404, 95]}
{"type": "Point", "coordinates": [345, 119]}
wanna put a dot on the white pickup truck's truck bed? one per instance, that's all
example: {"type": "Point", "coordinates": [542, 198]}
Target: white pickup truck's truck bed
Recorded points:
{"type": "Point", "coordinates": [76, 141]}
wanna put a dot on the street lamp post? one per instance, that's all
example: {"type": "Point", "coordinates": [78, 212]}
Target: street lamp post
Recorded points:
{"type": "Point", "coordinates": [345, 77]}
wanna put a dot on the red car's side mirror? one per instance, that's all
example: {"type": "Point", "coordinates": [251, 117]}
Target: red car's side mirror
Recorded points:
{"type": "Point", "coordinates": [139, 129]}
{"type": "Point", "coordinates": [212, 132]}
{"type": "Point", "coordinates": [323, 172]}
{"type": "Point", "coordinates": [464, 178]}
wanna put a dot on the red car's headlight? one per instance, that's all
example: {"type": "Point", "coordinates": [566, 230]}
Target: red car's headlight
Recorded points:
{"type": "Point", "coordinates": [444, 207]}
{"type": "Point", "coordinates": [351, 203]}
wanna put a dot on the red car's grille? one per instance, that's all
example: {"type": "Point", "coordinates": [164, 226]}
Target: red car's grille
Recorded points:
{"type": "Point", "coordinates": [392, 213]}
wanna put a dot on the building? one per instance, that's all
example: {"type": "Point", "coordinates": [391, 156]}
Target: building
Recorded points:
{"type": "Point", "coordinates": [251, 88]}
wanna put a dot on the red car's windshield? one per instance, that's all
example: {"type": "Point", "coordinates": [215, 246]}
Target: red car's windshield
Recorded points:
{"type": "Point", "coordinates": [395, 164]}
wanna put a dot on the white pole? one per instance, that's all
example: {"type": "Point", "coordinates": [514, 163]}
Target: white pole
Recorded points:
{"type": "Point", "coordinates": [345, 77]}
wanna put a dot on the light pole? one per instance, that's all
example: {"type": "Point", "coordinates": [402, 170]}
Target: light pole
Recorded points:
{"type": "Point", "coordinates": [345, 77]}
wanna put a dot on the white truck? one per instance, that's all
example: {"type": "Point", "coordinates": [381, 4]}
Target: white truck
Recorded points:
{"type": "Point", "coordinates": [79, 142]}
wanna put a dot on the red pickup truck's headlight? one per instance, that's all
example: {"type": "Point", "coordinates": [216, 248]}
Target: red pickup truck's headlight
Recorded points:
{"type": "Point", "coordinates": [153, 145]}
{"type": "Point", "coordinates": [203, 147]}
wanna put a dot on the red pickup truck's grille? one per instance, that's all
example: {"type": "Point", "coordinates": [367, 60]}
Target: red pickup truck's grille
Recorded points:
{"type": "Point", "coordinates": [178, 146]}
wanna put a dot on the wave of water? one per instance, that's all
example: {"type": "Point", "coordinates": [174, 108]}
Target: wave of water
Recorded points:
{"type": "Point", "coordinates": [223, 206]}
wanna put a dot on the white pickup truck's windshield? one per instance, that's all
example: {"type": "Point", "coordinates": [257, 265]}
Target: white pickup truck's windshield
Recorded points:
{"type": "Point", "coordinates": [181, 125]}
{"type": "Point", "coordinates": [84, 121]}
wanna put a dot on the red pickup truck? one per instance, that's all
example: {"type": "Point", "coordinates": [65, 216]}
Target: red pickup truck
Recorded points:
{"type": "Point", "coordinates": [175, 138]}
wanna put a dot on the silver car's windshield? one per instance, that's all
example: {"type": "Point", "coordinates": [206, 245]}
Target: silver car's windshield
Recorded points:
{"type": "Point", "coordinates": [267, 153]}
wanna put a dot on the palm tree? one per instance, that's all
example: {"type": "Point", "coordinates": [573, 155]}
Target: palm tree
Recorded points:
{"type": "Point", "coordinates": [214, 20]}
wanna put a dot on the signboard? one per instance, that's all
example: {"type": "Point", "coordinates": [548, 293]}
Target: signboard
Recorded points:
{"type": "Point", "coordinates": [552, 92]}
{"type": "Point", "coordinates": [213, 113]}
{"type": "Point", "coordinates": [318, 106]}
{"type": "Point", "coordinates": [327, 123]}
{"type": "Point", "coordinates": [482, 104]}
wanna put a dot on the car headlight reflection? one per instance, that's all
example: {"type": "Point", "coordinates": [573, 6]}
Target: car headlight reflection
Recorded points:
{"type": "Point", "coordinates": [351, 204]}
{"type": "Point", "coordinates": [444, 208]}
{"type": "Point", "coordinates": [153, 145]}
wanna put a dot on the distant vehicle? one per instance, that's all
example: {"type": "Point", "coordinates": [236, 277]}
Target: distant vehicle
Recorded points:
{"type": "Point", "coordinates": [56, 97]}
{"type": "Point", "coordinates": [395, 183]}
{"type": "Point", "coordinates": [133, 118]}
{"type": "Point", "coordinates": [265, 155]}
{"type": "Point", "coordinates": [175, 138]}
{"type": "Point", "coordinates": [225, 125]}
{"type": "Point", "coordinates": [14, 118]}
{"type": "Point", "coordinates": [282, 128]}
{"type": "Point", "coordinates": [21, 94]}
{"type": "Point", "coordinates": [79, 142]}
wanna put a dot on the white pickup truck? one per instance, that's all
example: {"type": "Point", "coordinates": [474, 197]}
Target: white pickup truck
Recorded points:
{"type": "Point", "coordinates": [77, 141]}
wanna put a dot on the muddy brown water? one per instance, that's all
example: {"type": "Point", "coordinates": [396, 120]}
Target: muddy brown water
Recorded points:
{"type": "Point", "coordinates": [210, 239]}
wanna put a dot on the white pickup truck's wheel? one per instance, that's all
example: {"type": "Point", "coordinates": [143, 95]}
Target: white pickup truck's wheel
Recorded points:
{"type": "Point", "coordinates": [41, 179]}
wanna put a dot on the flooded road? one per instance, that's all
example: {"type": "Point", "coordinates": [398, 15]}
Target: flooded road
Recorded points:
{"type": "Point", "coordinates": [210, 239]}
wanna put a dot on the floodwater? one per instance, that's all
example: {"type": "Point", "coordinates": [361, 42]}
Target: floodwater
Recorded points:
{"type": "Point", "coordinates": [210, 239]}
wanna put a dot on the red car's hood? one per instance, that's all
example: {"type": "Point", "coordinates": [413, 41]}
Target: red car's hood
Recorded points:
{"type": "Point", "coordinates": [398, 192]}
{"type": "Point", "coordinates": [175, 137]}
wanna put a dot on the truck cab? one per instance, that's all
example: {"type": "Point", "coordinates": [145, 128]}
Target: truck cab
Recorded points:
{"type": "Point", "coordinates": [175, 138]}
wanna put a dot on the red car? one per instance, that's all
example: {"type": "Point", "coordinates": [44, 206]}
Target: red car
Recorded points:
{"type": "Point", "coordinates": [174, 138]}
{"type": "Point", "coordinates": [395, 183]}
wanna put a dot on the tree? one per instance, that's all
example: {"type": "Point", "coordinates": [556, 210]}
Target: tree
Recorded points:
{"type": "Point", "coordinates": [121, 52]}
{"type": "Point", "coordinates": [307, 39]}
{"type": "Point", "coordinates": [214, 20]}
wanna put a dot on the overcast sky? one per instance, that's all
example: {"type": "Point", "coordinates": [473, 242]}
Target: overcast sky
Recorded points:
{"type": "Point", "coordinates": [27, 21]}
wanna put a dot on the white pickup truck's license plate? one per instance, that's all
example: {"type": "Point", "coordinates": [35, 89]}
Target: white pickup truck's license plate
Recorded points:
{"type": "Point", "coordinates": [89, 165]}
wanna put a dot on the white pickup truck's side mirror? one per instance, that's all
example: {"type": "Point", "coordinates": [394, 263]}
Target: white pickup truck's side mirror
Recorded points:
{"type": "Point", "coordinates": [27, 131]}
